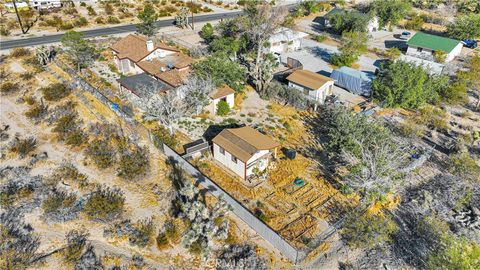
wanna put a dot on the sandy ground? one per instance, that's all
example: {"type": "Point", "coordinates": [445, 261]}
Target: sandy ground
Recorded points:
{"type": "Point", "coordinates": [141, 201]}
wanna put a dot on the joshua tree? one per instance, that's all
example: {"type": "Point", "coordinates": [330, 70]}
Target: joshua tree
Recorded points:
{"type": "Point", "coordinates": [181, 19]}
{"type": "Point", "coordinates": [204, 228]}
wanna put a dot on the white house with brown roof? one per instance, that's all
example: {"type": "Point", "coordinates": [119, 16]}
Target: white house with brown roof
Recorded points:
{"type": "Point", "coordinates": [315, 86]}
{"type": "Point", "coordinates": [224, 93]}
{"type": "Point", "coordinates": [135, 54]}
{"type": "Point", "coordinates": [244, 151]}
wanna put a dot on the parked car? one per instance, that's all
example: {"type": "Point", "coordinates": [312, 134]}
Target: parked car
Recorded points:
{"type": "Point", "coordinates": [405, 35]}
{"type": "Point", "coordinates": [470, 43]}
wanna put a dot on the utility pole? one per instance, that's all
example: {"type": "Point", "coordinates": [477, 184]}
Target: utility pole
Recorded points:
{"type": "Point", "coordinates": [18, 16]}
{"type": "Point", "coordinates": [193, 26]}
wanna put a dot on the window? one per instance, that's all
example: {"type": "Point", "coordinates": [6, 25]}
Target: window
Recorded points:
{"type": "Point", "coordinates": [222, 151]}
{"type": "Point", "coordinates": [234, 159]}
{"type": "Point", "coordinates": [419, 49]}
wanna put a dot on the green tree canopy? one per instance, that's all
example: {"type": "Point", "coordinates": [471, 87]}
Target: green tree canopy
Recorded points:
{"type": "Point", "coordinates": [207, 32]}
{"type": "Point", "coordinates": [148, 17]}
{"type": "Point", "coordinates": [406, 85]}
{"type": "Point", "coordinates": [222, 71]}
{"type": "Point", "coordinates": [80, 51]}
{"type": "Point", "coordinates": [465, 27]}
{"type": "Point", "coordinates": [352, 21]}
{"type": "Point", "coordinates": [390, 12]}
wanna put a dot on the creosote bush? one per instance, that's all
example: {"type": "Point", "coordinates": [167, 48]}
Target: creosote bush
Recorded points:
{"type": "Point", "coordinates": [58, 200]}
{"type": "Point", "coordinates": [133, 162]}
{"type": "Point", "coordinates": [69, 174]}
{"type": "Point", "coordinates": [101, 152]}
{"type": "Point", "coordinates": [139, 233]}
{"type": "Point", "coordinates": [18, 242]}
{"type": "Point", "coordinates": [23, 147]}
{"type": "Point", "coordinates": [55, 92]}
{"type": "Point", "coordinates": [8, 88]}
{"type": "Point", "coordinates": [20, 52]}
{"type": "Point", "coordinates": [105, 203]}
{"type": "Point", "coordinates": [368, 231]}
{"type": "Point", "coordinates": [76, 243]}
{"type": "Point", "coordinates": [37, 111]}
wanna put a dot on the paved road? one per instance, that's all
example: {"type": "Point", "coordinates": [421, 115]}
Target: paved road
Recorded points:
{"type": "Point", "coordinates": [4, 45]}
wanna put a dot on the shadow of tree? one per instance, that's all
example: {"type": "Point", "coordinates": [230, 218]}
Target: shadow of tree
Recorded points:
{"type": "Point", "coordinates": [322, 53]}
{"type": "Point", "coordinates": [318, 150]}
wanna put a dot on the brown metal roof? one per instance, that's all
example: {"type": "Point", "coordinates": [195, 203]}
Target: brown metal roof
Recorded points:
{"type": "Point", "coordinates": [222, 92]}
{"type": "Point", "coordinates": [244, 142]}
{"type": "Point", "coordinates": [134, 47]}
{"type": "Point", "coordinates": [308, 79]}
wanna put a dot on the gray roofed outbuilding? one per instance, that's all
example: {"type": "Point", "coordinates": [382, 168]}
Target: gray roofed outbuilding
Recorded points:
{"type": "Point", "coordinates": [143, 85]}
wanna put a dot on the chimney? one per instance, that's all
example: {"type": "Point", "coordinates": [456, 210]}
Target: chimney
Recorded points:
{"type": "Point", "coordinates": [149, 45]}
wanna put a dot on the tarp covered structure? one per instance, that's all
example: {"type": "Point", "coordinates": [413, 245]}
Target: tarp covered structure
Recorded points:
{"type": "Point", "coordinates": [357, 82]}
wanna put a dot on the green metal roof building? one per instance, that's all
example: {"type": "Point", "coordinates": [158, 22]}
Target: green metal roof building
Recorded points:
{"type": "Point", "coordinates": [423, 45]}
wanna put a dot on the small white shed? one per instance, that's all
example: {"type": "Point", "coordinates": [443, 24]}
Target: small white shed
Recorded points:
{"type": "Point", "coordinates": [224, 93]}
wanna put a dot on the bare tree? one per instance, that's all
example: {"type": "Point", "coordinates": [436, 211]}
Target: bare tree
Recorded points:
{"type": "Point", "coordinates": [165, 108]}
{"type": "Point", "coordinates": [262, 21]}
{"type": "Point", "coordinates": [196, 91]}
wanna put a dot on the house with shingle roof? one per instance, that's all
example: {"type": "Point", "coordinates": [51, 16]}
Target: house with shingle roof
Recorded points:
{"type": "Point", "coordinates": [244, 151]}
{"type": "Point", "coordinates": [315, 86]}
{"type": "Point", "coordinates": [423, 45]}
{"type": "Point", "coordinates": [135, 54]}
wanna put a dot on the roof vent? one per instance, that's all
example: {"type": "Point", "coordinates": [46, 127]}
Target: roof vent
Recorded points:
{"type": "Point", "coordinates": [170, 65]}
{"type": "Point", "coordinates": [149, 45]}
{"type": "Point", "coordinates": [161, 54]}
{"type": "Point", "coordinates": [162, 69]}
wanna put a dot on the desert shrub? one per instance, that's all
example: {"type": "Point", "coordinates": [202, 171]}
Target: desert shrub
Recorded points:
{"type": "Point", "coordinates": [133, 162]}
{"type": "Point", "coordinates": [24, 146]}
{"type": "Point", "coordinates": [99, 20]}
{"type": "Point", "coordinates": [68, 129]}
{"type": "Point", "coordinates": [171, 232]}
{"type": "Point", "coordinates": [80, 22]}
{"type": "Point", "coordinates": [162, 135]}
{"type": "Point", "coordinates": [105, 203]}
{"type": "Point", "coordinates": [223, 108]}
{"type": "Point", "coordinates": [13, 192]}
{"type": "Point", "coordinates": [139, 233]}
{"type": "Point", "coordinates": [26, 76]}
{"type": "Point", "coordinates": [455, 93]}
{"type": "Point", "coordinates": [464, 165]}
{"type": "Point", "coordinates": [89, 260]}
{"type": "Point", "coordinates": [20, 52]}
{"type": "Point", "coordinates": [91, 11]}
{"type": "Point", "coordinates": [18, 242]}
{"type": "Point", "coordinates": [440, 56]}
{"type": "Point", "coordinates": [113, 20]}
{"type": "Point", "coordinates": [83, 4]}
{"type": "Point", "coordinates": [32, 61]}
{"type": "Point", "coordinates": [66, 26]}
{"type": "Point", "coordinates": [37, 111]}
{"type": "Point", "coordinates": [108, 9]}
{"type": "Point", "coordinates": [9, 87]}
{"type": "Point", "coordinates": [55, 92]}
{"type": "Point", "coordinates": [319, 38]}
{"type": "Point", "coordinates": [368, 231]}
{"type": "Point", "coordinates": [67, 173]}
{"type": "Point", "coordinates": [101, 152]}
{"type": "Point", "coordinates": [392, 53]}
{"type": "Point", "coordinates": [4, 31]}
{"type": "Point", "coordinates": [432, 117]}
{"type": "Point", "coordinates": [58, 200]}
{"type": "Point", "coordinates": [76, 243]}
{"type": "Point", "coordinates": [162, 241]}
{"type": "Point", "coordinates": [70, 11]}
